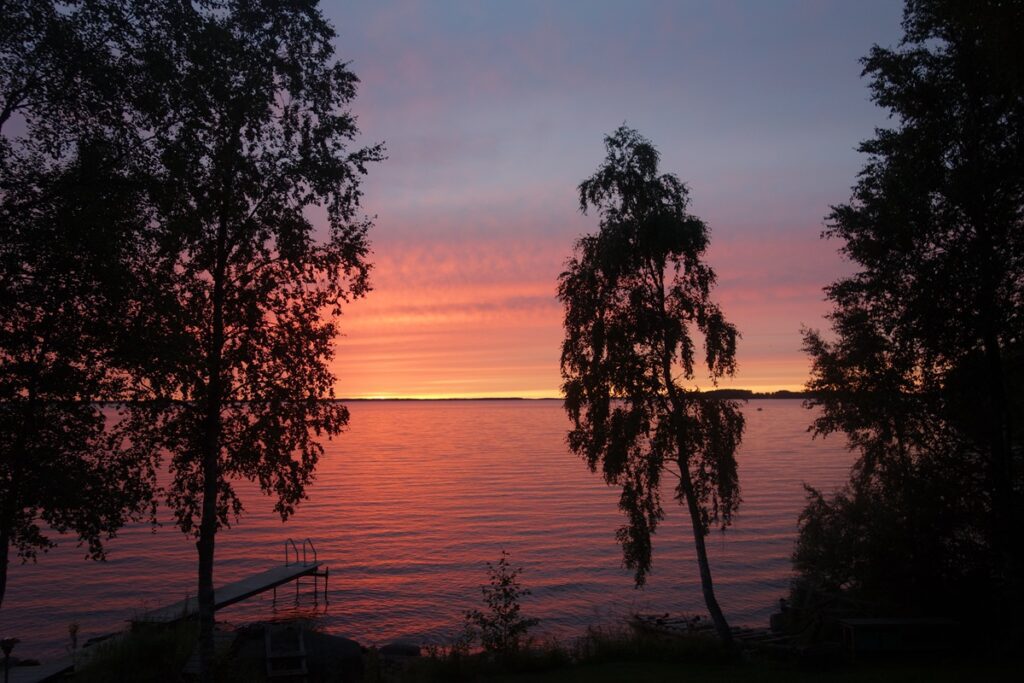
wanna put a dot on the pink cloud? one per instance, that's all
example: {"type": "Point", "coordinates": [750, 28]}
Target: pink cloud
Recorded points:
{"type": "Point", "coordinates": [480, 317]}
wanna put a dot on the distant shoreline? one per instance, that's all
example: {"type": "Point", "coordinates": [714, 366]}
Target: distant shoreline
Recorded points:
{"type": "Point", "coordinates": [729, 394]}
{"type": "Point", "coordinates": [736, 394]}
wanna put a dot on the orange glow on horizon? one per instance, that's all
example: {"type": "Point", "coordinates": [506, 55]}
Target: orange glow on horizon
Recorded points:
{"type": "Point", "coordinates": [539, 394]}
{"type": "Point", "coordinates": [479, 318]}
{"type": "Point", "coordinates": [531, 395]}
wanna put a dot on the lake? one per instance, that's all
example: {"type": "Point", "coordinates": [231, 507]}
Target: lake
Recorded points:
{"type": "Point", "coordinates": [416, 497]}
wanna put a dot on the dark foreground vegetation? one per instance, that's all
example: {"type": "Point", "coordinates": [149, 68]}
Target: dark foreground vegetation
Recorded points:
{"type": "Point", "coordinates": [496, 644]}
{"type": "Point", "coordinates": [923, 372]}
{"type": "Point", "coordinates": [159, 165]}
{"type": "Point", "coordinates": [604, 654]}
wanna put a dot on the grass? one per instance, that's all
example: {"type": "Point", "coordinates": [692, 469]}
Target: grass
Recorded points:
{"type": "Point", "coordinates": [607, 655]}
{"type": "Point", "coordinates": [666, 672]}
{"type": "Point", "coordinates": [152, 653]}
{"type": "Point", "coordinates": [614, 655]}
{"type": "Point", "coordinates": [619, 651]}
{"type": "Point", "coordinates": [743, 672]}
{"type": "Point", "coordinates": [157, 653]}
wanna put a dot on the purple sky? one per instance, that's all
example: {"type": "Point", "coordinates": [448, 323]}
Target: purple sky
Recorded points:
{"type": "Point", "coordinates": [493, 112]}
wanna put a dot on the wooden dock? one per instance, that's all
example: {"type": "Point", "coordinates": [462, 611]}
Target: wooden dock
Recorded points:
{"type": "Point", "coordinates": [40, 673]}
{"type": "Point", "coordinates": [233, 592]}
{"type": "Point", "coordinates": [295, 566]}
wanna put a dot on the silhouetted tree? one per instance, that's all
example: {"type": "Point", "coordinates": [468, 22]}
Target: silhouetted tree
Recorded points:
{"type": "Point", "coordinates": [634, 294]}
{"type": "Point", "coordinates": [502, 628]}
{"type": "Point", "coordinates": [247, 108]}
{"type": "Point", "coordinates": [66, 212]}
{"type": "Point", "coordinates": [923, 374]}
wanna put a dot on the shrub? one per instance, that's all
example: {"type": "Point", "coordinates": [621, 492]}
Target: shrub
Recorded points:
{"type": "Point", "coordinates": [501, 628]}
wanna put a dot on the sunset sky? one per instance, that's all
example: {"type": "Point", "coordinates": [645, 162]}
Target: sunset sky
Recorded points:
{"type": "Point", "coordinates": [493, 112]}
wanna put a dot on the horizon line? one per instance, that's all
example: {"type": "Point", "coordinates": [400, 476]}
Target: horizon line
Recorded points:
{"type": "Point", "coordinates": [753, 392]}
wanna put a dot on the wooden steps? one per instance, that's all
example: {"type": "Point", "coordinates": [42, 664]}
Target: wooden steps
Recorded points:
{"type": "Point", "coordinates": [222, 641]}
{"type": "Point", "coordinates": [285, 647]}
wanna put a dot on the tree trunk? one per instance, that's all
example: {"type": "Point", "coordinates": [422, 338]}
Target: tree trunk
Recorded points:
{"type": "Point", "coordinates": [721, 625]}
{"type": "Point", "coordinates": [205, 547]}
{"type": "Point", "coordinates": [707, 587]}
{"type": "Point", "coordinates": [211, 480]}
{"type": "Point", "coordinates": [211, 461]}
{"type": "Point", "coordinates": [1000, 437]}
{"type": "Point", "coordinates": [5, 547]}
{"type": "Point", "coordinates": [12, 501]}
{"type": "Point", "coordinates": [990, 233]}
{"type": "Point", "coordinates": [208, 521]}
{"type": "Point", "coordinates": [212, 431]}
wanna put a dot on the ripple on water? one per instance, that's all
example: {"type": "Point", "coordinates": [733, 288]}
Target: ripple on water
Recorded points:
{"type": "Point", "coordinates": [410, 503]}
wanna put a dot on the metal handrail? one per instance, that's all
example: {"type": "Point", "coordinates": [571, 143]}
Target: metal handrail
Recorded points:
{"type": "Point", "coordinates": [306, 542]}
{"type": "Point", "coordinates": [311, 547]}
{"type": "Point", "coordinates": [287, 556]}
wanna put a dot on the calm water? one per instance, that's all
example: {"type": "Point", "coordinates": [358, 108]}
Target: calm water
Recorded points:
{"type": "Point", "coordinates": [416, 497]}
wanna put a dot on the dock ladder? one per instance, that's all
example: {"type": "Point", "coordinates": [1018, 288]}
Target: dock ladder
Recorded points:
{"type": "Point", "coordinates": [306, 558]}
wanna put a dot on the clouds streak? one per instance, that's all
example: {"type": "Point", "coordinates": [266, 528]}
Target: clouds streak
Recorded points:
{"type": "Point", "coordinates": [493, 112]}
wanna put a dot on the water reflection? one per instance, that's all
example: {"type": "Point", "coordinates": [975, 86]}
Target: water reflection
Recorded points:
{"type": "Point", "coordinates": [410, 504]}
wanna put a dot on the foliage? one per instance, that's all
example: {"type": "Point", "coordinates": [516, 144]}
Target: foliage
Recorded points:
{"type": "Point", "coordinates": [455, 664]}
{"type": "Point", "coordinates": [502, 628]}
{"type": "Point", "coordinates": [635, 293]}
{"type": "Point", "coordinates": [154, 653]}
{"type": "Point", "coordinates": [616, 653]}
{"type": "Point", "coordinates": [923, 370]}
{"type": "Point", "coordinates": [618, 644]}
{"type": "Point", "coordinates": [244, 289]}
{"type": "Point", "coordinates": [67, 206]}
{"type": "Point", "coordinates": [251, 242]}
{"type": "Point", "coordinates": [846, 545]}
{"type": "Point", "coordinates": [583, 658]}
